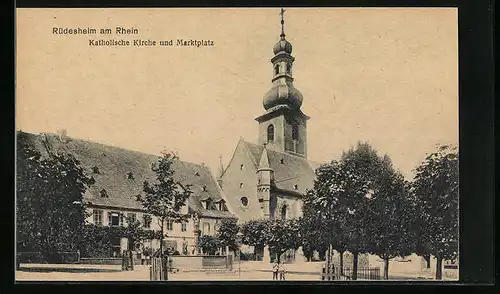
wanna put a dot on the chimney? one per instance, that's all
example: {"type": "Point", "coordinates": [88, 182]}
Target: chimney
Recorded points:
{"type": "Point", "coordinates": [62, 135]}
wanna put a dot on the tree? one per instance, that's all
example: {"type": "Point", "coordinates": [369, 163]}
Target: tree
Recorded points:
{"type": "Point", "coordinates": [391, 213]}
{"type": "Point", "coordinates": [255, 233]}
{"type": "Point", "coordinates": [435, 187]}
{"type": "Point", "coordinates": [226, 233]}
{"type": "Point", "coordinates": [165, 197]}
{"type": "Point", "coordinates": [360, 172]}
{"type": "Point", "coordinates": [135, 232]}
{"type": "Point", "coordinates": [209, 244]}
{"type": "Point", "coordinates": [283, 235]}
{"type": "Point", "coordinates": [50, 209]}
{"type": "Point", "coordinates": [323, 210]}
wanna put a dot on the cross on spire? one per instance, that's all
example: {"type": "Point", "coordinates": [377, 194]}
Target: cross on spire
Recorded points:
{"type": "Point", "coordinates": [282, 12]}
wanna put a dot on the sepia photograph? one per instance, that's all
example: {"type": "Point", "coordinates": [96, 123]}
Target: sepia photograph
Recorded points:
{"type": "Point", "coordinates": [237, 144]}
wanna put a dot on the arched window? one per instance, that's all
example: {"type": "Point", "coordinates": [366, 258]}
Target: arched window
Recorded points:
{"type": "Point", "coordinates": [283, 212]}
{"type": "Point", "coordinates": [270, 133]}
{"type": "Point", "coordinates": [295, 132]}
{"type": "Point", "coordinates": [276, 69]}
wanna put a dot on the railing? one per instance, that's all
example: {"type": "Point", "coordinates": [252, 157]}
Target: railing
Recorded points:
{"type": "Point", "coordinates": [364, 273]}
{"type": "Point", "coordinates": [158, 269]}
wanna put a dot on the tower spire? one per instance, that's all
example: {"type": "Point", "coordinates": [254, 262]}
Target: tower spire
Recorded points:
{"type": "Point", "coordinates": [282, 23]}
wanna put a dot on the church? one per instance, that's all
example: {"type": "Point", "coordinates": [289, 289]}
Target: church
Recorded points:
{"type": "Point", "coordinates": [268, 179]}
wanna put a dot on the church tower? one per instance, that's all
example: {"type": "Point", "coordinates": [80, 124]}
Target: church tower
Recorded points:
{"type": "Point", "coordinates": [283, 126]}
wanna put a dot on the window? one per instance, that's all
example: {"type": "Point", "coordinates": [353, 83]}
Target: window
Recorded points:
{"type": "Point", "coordinates": [296, 187]}
{"type": "Point", "coordinates": [282, 161]}
{"type": "Point", "coordinates": [204, 188]}
{"type": "Point", "coordinates": [244, 201]}
{"type": "Point", "coordinates": [241, 167]}
{"type": "Point", "coordinates": [114, 219]}
{"type": "Point", "coordinates": [295, 132]}
{"type": "Point", "coordinates": [132, 217]}
{"type": "Point", "coordinates": [146, 219]}
{"type": "Point", "coordinates": [184, 226]}
{"type": "Point", "coordinates": [97, 217]}
{"type": "Point", "coordinates": [283, 212]}
{"type": "Point", "coordinates": [206, 228]}
{"type": "Point", "coordinates": [276, 69]}
{"type": "Point", "coordinates": [170, 225]}
{"type": "Point", "coordinates": [241, 185]}
{"type": "Point", "coordinates": [130, 176]}
{"type": "Point", "coordinates": [270, 133]}
{"type": "Point", "coordinates": [104, 193]}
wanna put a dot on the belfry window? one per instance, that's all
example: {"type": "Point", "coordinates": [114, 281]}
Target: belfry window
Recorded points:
{"type": "Point", "coordinates": [295, 132]}
{"type": "Point", "coordinates": [276, 69]}
{"type": "Point", "coordinates": [270, 133]}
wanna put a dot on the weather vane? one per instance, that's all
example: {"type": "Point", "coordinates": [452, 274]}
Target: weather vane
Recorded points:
{"type": "Point", "coordinates": [282, 22]}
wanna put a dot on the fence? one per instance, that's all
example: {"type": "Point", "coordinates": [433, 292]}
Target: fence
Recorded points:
{"type": "Point", "coordinates": [158, 270]}
{"type": "Point", "coordinates": [364, 273]}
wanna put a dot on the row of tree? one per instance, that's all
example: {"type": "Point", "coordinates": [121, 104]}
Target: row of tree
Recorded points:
{"type": "Point", "coordinates": [362, 204]}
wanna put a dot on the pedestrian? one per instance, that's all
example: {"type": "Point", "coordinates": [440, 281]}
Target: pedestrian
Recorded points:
{"type": "Point", "coordinates": [275, 270]}
{"type": "Point", "coordinates": [131, 262]}
{"type": "Point", "coordinates": [282, 271]}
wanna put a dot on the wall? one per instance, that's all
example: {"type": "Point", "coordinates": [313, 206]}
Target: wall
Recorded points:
{"type": "Point", "coordinates": [174, 234]}
{"type": "Point", "coordinates": [231, 180]}
{"type": "Point", "coordinates": [279, 133]}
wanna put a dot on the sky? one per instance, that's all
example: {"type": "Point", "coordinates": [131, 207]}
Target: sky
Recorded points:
{"type": "Point", "coordinates": [387, 76]}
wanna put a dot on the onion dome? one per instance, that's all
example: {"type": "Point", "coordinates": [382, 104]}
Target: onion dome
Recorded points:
{"type": "Point", "coordinates": [283, 94]}
{"type": "Point", "coordinates": [282, 46]}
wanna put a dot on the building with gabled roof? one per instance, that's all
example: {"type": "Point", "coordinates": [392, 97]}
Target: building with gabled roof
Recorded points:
{"type": "Point", "coordinates": [119, 175]}
{"type": "Point", "coordinates": [269, 179]}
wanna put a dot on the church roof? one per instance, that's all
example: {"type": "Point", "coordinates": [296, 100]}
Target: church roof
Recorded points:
{"type": "Point", "coordinates": [121, 173]}
{"type": "Point", "coordinates": [291, 173]}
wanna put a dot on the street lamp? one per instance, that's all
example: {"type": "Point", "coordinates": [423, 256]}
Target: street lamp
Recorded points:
{"type": "Point", "coordinates": [239, 239]}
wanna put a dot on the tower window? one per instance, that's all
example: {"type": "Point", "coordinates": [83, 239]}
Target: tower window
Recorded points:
{"type": "Point", "coordinates": [277, 69]}
{"type": "Point", "coordinates": [241, 185]}
{"type": "Point", "coordinates": [282, 161]}
{"type": "Point", "coordinates": [295, 132]}
{"type": "Point", "coordinates": [296, 187]}
{"type": "Point", "coordinates": [241, 167]}
{"type": "Point", "coordinates": [204, 188]}
{"type": "Point", "coordinates": [270, 133]}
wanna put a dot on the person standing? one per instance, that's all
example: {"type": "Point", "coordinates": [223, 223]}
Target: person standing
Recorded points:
{"type": "Point", "coordinates": [282, 271]}
{"type": "Point", "coordinates": [275, 270]}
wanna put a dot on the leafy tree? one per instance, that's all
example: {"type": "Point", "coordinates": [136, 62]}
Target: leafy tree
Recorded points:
{"type": "Point", "coordinates": [209, 244]}
{"type": "Point", "coordinates": [226, 233]}
{"type": "Point", "coordinates": [256, 233]}
{"type": "Point", "coordinates": [435, 189]}
{"type": "Point", "coordinates": [360, 170]}
{"type": "Point", "coordinates": [165, 197]}
{"type": "Point", "coordinates": [391, 213]}
{"type": "Point", "coordinates": [50, 210]}
{"type": "Point", "coordinates": [322, 206]}
{"type": "Point", "coordinates": [283, 235]}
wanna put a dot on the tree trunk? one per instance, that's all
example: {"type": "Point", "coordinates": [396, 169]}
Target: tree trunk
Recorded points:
{"type": "Point", "coordinates": [428, 260]}
{"type": "Point", "coordinates": [355, 266]}
{"type": "Point", "coordinates": [341, 262]}
{"type": "Point", "coordinates": [386, 268]}
{"type": "Point", "coordinates": [439, 268]}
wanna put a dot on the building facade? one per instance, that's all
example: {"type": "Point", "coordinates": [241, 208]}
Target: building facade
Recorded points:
{"type": "Point", "coordinates": [119, 175]}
